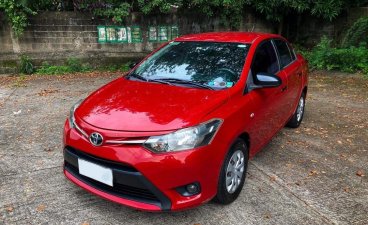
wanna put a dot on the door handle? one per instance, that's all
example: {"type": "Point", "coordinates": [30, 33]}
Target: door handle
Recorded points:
{"type": "Point", "coordinates": [284, 88]}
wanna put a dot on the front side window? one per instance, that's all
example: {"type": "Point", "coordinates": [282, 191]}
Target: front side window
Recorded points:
{"type": "Point", "coordinates": [284, 53]}
{"type": "Point", "coordinates": [265, 59]}
{"type": "Point", "coordinates": [214, 64]}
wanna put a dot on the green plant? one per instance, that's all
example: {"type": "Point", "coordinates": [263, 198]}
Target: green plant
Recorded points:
{"type": "Point", "coordinates": [17, 12]}
{"type": "Point", "coordinates": [277, 10]}
{"type": "Point", "coordinates": [26, 65]}
{"type": "Point", "coordinates": [125, 67]}
{"type": "Point", "coordinates": [74, 64]}
{"type": "Point", "coordinates": [357, 33]}
{"type": "Point", "coordinates": [351, 59]}
{"type": "Point", "coordinates": [115, 67]}
{"type": "Point", "coordinates": [230, 12]}
{"type": "Point", "coordinates": [53, 70]}
{"type": "Point", "coordinates": [116, 13]}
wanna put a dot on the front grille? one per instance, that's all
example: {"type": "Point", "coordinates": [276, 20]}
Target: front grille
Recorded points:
{"type": "Point", "coordinates": [128, 183]}
{"type": "Point", "coordinates": [120, 190]}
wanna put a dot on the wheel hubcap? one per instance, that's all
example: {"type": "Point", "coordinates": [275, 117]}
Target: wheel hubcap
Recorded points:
{"type": "Point", "coordinates": [300, 110]}
{"type": "Point", "coordinates": [234, 171]}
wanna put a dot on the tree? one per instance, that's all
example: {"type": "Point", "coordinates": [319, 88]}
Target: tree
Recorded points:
{"type": "Point", "coordinates": [276, 10]}
{"type": "Point", "coordinates": [17, 13]}
{"type": "Point", "coordinates": [357, 34]}
{"type": "Point", "coordinates": [230, 11]}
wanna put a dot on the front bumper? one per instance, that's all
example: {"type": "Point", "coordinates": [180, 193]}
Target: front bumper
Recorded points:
{"type": "Point", "coordinates": [129, 186]}
{"type": "Point", "coordinates": [142, 179]}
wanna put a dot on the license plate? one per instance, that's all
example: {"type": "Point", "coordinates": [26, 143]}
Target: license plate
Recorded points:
{"type": "Point", "coordinates": [96, 172]}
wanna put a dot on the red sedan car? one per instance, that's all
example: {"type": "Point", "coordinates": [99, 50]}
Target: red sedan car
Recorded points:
{"type": "Point", "coordinates": [179, 129]}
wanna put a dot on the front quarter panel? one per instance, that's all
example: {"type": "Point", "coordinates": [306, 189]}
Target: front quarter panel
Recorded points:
{"type": "Point", "coordinates": [236, 115]}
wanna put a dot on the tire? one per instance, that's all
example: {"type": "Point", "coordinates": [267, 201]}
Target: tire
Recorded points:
{"type": "Point", "coordinates": [226, 194]}
{"type": "Point", "coordinates": [298, 115]}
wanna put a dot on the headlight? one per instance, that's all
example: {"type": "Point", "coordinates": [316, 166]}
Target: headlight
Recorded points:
{"type": "Point", "coordinates": [184, 139]}
{"type": "Point", "coordinates": [71, 113]}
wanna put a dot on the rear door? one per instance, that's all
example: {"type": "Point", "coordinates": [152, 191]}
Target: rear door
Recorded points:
{"type": "Point", "coordinates": [291, 69]}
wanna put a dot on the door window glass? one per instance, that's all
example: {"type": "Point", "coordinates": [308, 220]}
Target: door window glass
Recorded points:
{"type": "Point", "coordinates": [284, 53]}
{"type": "Point", "coordinates": [293, 56]}
{"type": "Point", "coordinates": [265, 59]}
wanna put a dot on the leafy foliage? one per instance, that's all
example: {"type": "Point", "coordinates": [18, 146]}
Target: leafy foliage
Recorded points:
{"type": "Point", "coordinates": [357, 34]}
{"type": "Point", "coordinates": [53, 70]}
{"type": "Point", "coordinates": [17, 12]}
{"type": "Point", "coordinates": [114, 9]}
{"type": "Point", "coordinates": [115, 67]}
{"type": "Point", "coordinates": [230, 11]}
{"type": "Point", "coordinates": [26, 65]}
{"type": "Point", "coordinates": [275, 10]}
{"type": "Point", "coordinates": [351, 59]}
{"type": "Point", "coordinates": [163, 6]}
{"type": "Point", "coordinates": [73, 65]}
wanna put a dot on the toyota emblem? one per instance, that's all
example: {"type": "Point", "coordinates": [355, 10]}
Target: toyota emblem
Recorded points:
{"type": "Point", "coordinates": [96, 139]}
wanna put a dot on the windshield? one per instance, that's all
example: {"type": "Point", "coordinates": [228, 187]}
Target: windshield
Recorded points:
{"type": "Point", "coordinates": [216, 65]}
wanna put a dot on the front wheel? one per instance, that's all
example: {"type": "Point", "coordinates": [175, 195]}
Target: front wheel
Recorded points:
{"type": "Point", "coordinates": [233, 172]}
{"type": "Point", "coordinates": [297, 117]}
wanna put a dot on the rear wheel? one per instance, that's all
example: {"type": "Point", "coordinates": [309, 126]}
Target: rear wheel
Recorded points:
{"type": "Point", "coordinates": [233, 173]}
{"type": "Point", "coordinates": [297, 117]}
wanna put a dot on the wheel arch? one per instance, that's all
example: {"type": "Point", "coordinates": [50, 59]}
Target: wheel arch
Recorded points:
{"type": "Point", "coordinates": [245, 137]}
{"type": "Point", "coordinates": [305, 91]}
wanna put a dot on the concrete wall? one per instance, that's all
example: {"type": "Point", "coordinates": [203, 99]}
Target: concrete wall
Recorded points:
{"type": "Point", "coordinates": [55, 36]}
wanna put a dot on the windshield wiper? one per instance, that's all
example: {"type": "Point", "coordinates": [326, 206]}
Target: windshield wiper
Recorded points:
{"type": "Point", "coordinates": [179, 81]}
{"type": "Point", "coordinates": [139, 77]}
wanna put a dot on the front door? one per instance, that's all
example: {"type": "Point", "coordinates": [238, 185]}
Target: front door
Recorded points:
{"type": "Point", "coordinates": [267, 102]}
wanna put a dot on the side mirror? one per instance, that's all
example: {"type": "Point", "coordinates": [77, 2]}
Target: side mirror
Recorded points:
{"type": "Point", "coordinates": [132, 65]}
{"type": "Point", "coordinates": [265, 80]}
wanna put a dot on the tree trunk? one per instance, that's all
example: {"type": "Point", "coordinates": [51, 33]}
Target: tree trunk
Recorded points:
{"type": "Point", "coordinates": [298, 22]}
{"type": "Point", "coordinates": [281, 26]}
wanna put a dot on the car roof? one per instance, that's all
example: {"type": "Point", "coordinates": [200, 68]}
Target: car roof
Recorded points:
{"type": "Point", "coordinates": [240, 37]}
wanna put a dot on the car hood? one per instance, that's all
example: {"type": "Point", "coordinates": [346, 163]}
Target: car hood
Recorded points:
{"type": "Point", "coordinates": [127, 105]}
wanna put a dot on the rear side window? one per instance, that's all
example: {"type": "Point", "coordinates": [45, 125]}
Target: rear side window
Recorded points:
{"type": "Point", "coordinates": [284, 53]}
{"type": "Point", "coordinates": [293, 56]}
{"type": "Point", "coordinates": [265, 59]}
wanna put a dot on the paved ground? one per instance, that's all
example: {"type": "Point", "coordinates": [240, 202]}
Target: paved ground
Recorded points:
{"type": "Point", "coordinates": [313, 175]}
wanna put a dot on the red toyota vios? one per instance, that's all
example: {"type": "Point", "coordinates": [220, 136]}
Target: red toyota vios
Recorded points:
{"type": "Point", "coordinates": [179, 129]}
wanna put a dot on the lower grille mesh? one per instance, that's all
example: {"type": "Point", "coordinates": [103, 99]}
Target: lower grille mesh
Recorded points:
{"type": "Point", "coordinates": [120, 190]}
